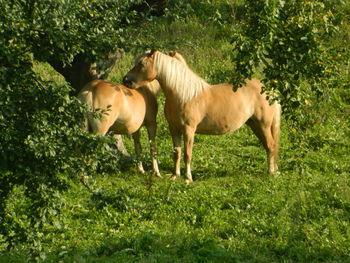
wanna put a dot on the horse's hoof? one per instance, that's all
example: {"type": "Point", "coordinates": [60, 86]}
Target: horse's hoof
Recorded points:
{"type": "Point", "coordinates": [188, 181]}
{"type": "Point", "coordinates": [275, 174]}
{"type": "Point", "coordinates": [141, 171]}
{"type": "Point", "coordinates": [157, 174]}
{"type": "Point", "coordinates": [174, 177]}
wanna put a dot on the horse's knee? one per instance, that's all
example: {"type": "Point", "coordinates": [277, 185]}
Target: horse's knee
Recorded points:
{"type": "Point", "coordinates": [271, 146]}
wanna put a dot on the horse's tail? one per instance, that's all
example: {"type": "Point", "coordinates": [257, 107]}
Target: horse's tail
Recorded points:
{"type": "Point", "coordinates": [85, 96]}
{"type": "Point", "coordinates": [276, 128]}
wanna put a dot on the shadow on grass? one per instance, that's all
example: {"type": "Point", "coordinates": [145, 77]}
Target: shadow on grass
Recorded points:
{"type": "Point", "coordinates": [149, 247]}
{"type": "Point", "coordinates": [153, 247]}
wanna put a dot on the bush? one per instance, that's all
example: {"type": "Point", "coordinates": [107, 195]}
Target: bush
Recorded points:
{"type": "Point", "coordinates": [290, 43]}
{"type": "Point", "coordinates": [42, 143]}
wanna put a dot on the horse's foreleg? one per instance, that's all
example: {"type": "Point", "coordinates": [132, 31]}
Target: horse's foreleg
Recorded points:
{"type": "Point", "coordinates": [138, 150]}
{"type": "Point", "coordinates": [176, 137]}
{"type": "Point", "coordinates": [152, 130]}
{"type": "Point", "coordinates": [188, 141]}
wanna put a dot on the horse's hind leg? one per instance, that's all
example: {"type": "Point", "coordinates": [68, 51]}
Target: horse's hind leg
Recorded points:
{"type": "Point", "coordinates": [152, 130]}
{"type": "Point", "coordinates": [119, 144]}
{"type": "Point", "coordinates": [264, 132]}
{"type": "Point", "coordinates": [138, 150]}
{"type": "Point", "coordinates": [276, 129]}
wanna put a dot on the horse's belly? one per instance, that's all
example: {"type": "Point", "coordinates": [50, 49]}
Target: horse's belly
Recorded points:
{"type": "Point", "coordinates": [129, 120]}
{"type": "Point", "coordinates": [125, 128]}
{"type": "Point", "coordinates": [216, 127]}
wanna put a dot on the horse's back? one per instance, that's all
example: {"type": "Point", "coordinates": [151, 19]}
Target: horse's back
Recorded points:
{"type": "Point", "coordinates": [219, 109]}
{"type": "Point", "coordinates": [248, 98]}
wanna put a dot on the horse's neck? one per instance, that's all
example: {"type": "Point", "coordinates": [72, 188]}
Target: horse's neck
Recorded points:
{"type": "Point", "coordinates": [177, 80]}
{"type": "Point", "coordinates": [153, 87]}
{"type": "Point", "coordinates": [146, 92]}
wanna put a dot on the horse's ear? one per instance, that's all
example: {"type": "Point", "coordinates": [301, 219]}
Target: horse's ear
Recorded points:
{"type": "Point", "coordinates": [172, 53]}
{"type": "Point", "coordinates": [151, 53]}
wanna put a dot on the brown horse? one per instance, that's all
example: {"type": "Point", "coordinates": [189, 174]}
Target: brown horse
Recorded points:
{"type": "Point", "coordinates": [194, 106]}
{"type": "Point", "coordinates": [129, 109]}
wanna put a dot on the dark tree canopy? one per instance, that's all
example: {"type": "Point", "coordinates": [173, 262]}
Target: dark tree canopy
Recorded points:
{"type": "Point", "coordinates": [73, 35]}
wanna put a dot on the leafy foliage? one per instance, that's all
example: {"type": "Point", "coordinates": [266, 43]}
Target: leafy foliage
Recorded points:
{"type": "Point", "coordinates": [42, 143]}
{"type": "Point", "coordinates": [63, 29]}
{"type": "Point", "coordinates": [289, 41]}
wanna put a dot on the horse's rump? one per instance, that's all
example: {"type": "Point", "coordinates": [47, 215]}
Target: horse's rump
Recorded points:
{"type": "Point", "coordinates": [123, 110]}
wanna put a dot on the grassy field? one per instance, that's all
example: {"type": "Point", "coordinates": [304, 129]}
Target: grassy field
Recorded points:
{"type": "Point", "coordinates": [234, 211]}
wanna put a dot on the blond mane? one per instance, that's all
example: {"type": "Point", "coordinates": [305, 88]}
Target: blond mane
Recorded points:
{"type": "Point", "coordinates": [178, 76]}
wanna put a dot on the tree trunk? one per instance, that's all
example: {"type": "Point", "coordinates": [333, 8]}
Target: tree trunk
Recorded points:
{"type": "Point", "coordinates": [81, 71]}
{"type": "Point", "coordinates": [155, 7]}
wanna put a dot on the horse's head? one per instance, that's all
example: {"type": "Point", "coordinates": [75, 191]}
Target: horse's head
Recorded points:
{"type": "Point", "coordinates": [143, 72]}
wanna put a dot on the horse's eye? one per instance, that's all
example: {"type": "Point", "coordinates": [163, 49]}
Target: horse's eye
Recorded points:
{"type": "Point", "coordinates": [143, 63]}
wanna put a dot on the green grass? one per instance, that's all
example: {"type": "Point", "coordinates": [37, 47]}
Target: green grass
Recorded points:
{"type": "Point", "coordinates": [231, 215]}
{"type": "Point", "coordinates": [234, 211]}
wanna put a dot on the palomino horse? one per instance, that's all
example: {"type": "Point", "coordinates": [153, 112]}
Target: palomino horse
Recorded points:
{"type": "Point", "coordinates": [128, 110]}
{"type": "Point", "coordinates": [194, 106]}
